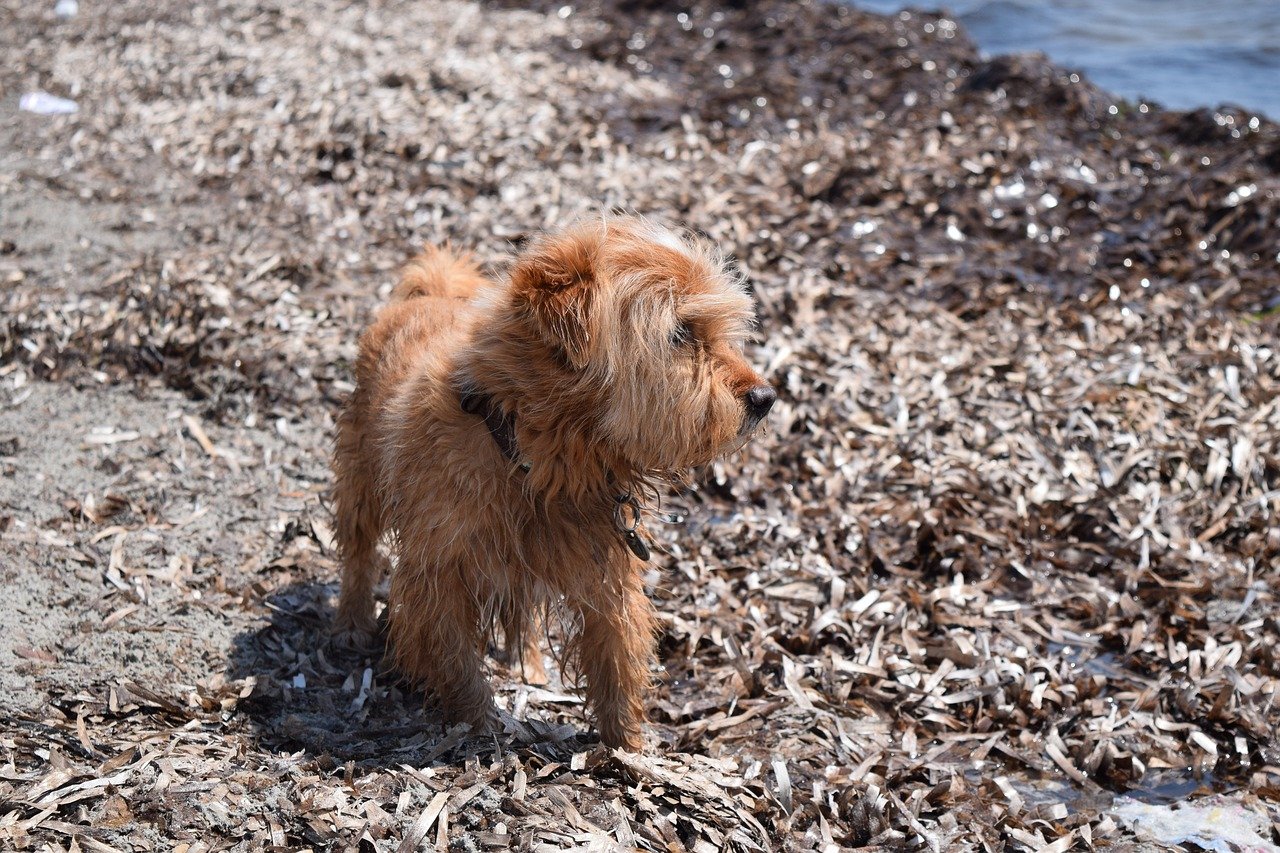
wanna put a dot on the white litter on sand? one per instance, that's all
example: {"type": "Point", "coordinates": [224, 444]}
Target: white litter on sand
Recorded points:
{"type": "Point", "coordinates": [45, 104]}
{"type": "Point", "coordinates": [1214, 823]}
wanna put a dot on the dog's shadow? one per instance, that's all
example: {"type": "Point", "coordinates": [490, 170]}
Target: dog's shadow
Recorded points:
{"type": "Point", "coordinates": [341, 704]}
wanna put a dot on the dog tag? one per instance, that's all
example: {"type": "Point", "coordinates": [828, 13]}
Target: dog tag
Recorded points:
{"type": "Point", "coordinates": [636, 544]}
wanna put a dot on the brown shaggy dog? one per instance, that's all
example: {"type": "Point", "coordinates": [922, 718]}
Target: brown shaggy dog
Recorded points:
{"type": "Point", "coordinates": [503, 432]}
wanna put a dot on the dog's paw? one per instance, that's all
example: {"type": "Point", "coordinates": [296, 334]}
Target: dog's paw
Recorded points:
{"type": "Point", "coordinates": [356, 640]}
{"type": "Point", "coordinates": [531, 671]}
{"type": "Point", "coordinates": [483, 722]}
{"type": "Point", "coordinates": [361, 635]}
{"type": "Point", "coordinates": [618, 734]}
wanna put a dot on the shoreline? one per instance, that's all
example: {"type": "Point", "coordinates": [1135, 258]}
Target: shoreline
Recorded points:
{"type": "Point", "coordinates": [1184, 59]}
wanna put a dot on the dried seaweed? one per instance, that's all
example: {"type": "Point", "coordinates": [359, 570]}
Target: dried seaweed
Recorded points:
{"type": "Point", "coordinates": [1008, 548]}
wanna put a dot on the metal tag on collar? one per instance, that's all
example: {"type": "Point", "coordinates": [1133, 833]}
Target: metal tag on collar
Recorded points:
{"type": "Point", "coordinates": [626, 517]}
{"type": "Point", "coordinates": [637, 546]}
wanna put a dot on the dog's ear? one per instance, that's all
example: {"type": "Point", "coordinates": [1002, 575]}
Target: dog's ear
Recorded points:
{"type": "Point", "coordinates": [555, 283]}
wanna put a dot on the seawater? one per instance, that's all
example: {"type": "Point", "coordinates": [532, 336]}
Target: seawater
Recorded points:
{"type": "Point", "coordinates": [1181, 54]}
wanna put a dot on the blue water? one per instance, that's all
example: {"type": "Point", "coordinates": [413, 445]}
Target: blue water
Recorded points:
{"type": "Point", "coordinates": [1179, 53]}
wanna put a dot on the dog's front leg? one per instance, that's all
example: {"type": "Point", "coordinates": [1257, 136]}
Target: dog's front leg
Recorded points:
{"type": "Point", "coordinates": [616, 650]}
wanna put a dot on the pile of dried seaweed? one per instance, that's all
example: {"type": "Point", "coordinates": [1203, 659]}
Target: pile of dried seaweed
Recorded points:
{"type": "Point", "coordinates": [1008, 550]}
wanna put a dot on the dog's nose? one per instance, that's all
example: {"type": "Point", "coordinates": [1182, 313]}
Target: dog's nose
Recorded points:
{"type": "Point", "coordinates": [760, 400]}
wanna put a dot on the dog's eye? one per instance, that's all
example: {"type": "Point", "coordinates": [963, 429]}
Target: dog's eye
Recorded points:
{"type": "Point", "coordinates": [681, 335]}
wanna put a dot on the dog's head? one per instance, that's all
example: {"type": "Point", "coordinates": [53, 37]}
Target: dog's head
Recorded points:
{"type": "Point", "coordinates": [648, 327]}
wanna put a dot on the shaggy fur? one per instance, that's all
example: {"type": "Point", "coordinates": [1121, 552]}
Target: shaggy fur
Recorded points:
{"type": "Point", "coordinates": [615, 349]}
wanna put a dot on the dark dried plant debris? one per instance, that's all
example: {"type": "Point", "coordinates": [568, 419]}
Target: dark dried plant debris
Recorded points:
{"type": "Point", "coordinates": [1008, 551]}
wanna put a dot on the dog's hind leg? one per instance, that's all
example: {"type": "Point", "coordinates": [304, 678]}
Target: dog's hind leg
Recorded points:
{"type": "Point", "coordinates": [358, 511]}
{"type": "Point", "coordinates": [521, 624]}
{"type": "Point", "coordinates": [437, 640]}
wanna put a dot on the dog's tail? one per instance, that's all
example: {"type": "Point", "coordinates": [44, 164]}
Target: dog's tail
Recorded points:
{"type": "Point", "coordinates": [439, 271]}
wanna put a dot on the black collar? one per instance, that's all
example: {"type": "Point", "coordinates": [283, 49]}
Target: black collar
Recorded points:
{"type": "Point", "coordinates": [502, 428]}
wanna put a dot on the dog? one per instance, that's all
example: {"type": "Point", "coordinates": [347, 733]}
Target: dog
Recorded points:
{"type": "Point", "coordinates": [505, 433]}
